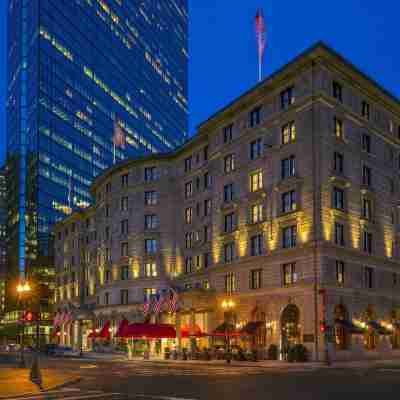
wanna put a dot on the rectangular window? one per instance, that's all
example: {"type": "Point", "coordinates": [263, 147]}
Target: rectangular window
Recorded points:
{"type": "Point", "coordinates": [229, 252]}
{"type": "Point", "coordinates": [256, 213]}
{"type": "Point", "coordinates": [338, 162]}
{"type": "Point", "coordinates": [366, 143]}
{"type": "Point", "coordinates": [337, 91]}
{"type": "Point", "coordinates": [289, 237]}
{"type": "Point", "coordinates": [124, 227]}
{"type": "Point", "coordinates": [229, 163]}
{"type": "Point", "coordinates": [365, 110]}
{"type": "Point", "coordinates": [287, 98]}
{"type": "Point", "coordinates": [124, 203]}
{"type": "Point", "coordinates": [289, 133]}
{"type": "Point", "coordinates": [124, 249]}
{"type": "Point", "coordinates": [228, 133]}
{"type": "Point", "coordinates": [207, 233]}
{"type": "Point", "coordinates": [188, 265]}
{"type": "Point", "coordinates": [207, 181]}
{"type": "Point", "coordinates": [207, 207]}
{"type": "Point", "coordinates": [366, 209]}
{"type": "Point", "coordinates": [189, 237]}
{"type": "Point", "coordinates": [255, 117]}
{"type": "Point", "coordinates": [256, 149]}
{"type": "Point", "coordinates": [230, 283]}
{"type": "Point", "coordinates": [340, 272]}
{"type": "Point", "coordinates": [339, 132]}
{"type": "Point", "coordinates": [229, 222]}
{"type": "Point", "coordinates": [189, 215]}
{"type": "Point", "coordinates": [188, 189]}
{"type": "Point", "coordinates": [108, 187]}
{"type": "Point", "coordinates": [124, 180]}
{"type": "Point", "coordinates": [150, 198]}
{"type": "Point", "coordinates": [369, 277]}
{"type": "Point", "coordinates": [151, 174]}
{"type": "Point", "coordinates": [107, 210]}
{"type": "Point", "coordinates": [338, 198]}
{"type": "Point", "coordinates": [366, 176]}
{"type": "Point", "coordinates": [108, 254]}
{"type": "Point", "coordinates": [150, 221]}
{"type": "Point", "coordinates": [288, 167]}
{"type": "Point", "coordinates": [124, 273]}
{"type": "Point", "coordinates": [256, 245]}
{"type": "Point", "coordinates": [339, 234]}
{"type": "Point", "coordinates": [149, 292]}
{"type": "Point", "coordinates": [256, 181]}
{"type": "Point", "coordinates": [106, 299]}
{"type": "Point", "coordinates": [150, 270]}
{"type": "Point", "coordinates": [207, 260]}
{"type": "Point", "coordinates": [107, 276]}
{"type": "Point", "coordinates": [124, 293]}
{"type": "Point", "coordinates": [205, 153]}
{"type": "Point", "coordinates": [289, 201]}
{"type": "Point", "coordinates": [229, 192]}
{"type": "Point", "coordinates": [255, 279]}
{"type": "Point", "coordinates": [289, 274]}
{"type": "Point", "coordinates": [367, 242]}
{"type": "Point", "coordinates": [188, 164]}
{"type": "Point", "coordinates": [150, 246]}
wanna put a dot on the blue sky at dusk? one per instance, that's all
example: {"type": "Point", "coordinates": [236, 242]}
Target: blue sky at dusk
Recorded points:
{"type": "Point", "coordinates": [223, 61]}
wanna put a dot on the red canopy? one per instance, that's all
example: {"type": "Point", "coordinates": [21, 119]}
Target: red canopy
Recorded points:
{"type": "Point", "coordinates": [148, 331]}
{"type": "Point", "coordinates": [92, 335]}
{"type": "Point", "coordinates": [105, 332]}
{"type": "Point", "coordinates": [122, 327]}
{"type": "Point", "coordinates": [197, 332]}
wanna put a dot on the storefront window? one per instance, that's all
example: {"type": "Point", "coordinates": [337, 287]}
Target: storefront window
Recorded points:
{"type": "Point", "coordinates": [340, 329]}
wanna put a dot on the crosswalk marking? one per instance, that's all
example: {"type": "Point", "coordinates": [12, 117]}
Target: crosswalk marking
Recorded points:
{"type": "Point", "coordinates": [68, 394]}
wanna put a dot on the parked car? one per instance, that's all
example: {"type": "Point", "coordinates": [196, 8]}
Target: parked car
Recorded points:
{"type": "Point", "coordinates": [50, 349]}
{"type": "Point", "coordinates": [64, 351]}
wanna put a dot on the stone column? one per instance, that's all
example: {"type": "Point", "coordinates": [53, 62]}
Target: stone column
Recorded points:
{"type": "Point", "coordinates": [178, 331]}
{"type": "Point", "coordinates": [192, 322]}
{"type": "Point", "coordinates": [80, 333]}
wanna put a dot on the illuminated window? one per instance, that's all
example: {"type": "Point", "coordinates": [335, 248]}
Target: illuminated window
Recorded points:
{"type": "Point", "coordinates": [289, 201]}
{"type": "Point", "coordinates": [289, 237]}
{"type": "Point", "coordinates": [229, 163]}
{"type": "Point", "coordinates": [150, 198]}
{"type": "Point", "coordinates": [256, 181]}
{"type": "Point", "coordinates": [150, 246]}
{"type": "Point", "coordinates": [289, 133]}
{"type": "Point", "coordinates": [151, 221]}
{"type": "Point", "coordinates": [230, 283]}
{"type": "Point", "coordinates": [255, 279]}
{"type": "Point", "coordinates": [289, 274]}
{"type": "Point", "coordinates": [256, 213]}
{"type": "Point", "coordinates": [150, 270]}
{"type": "Point", "coordinates": [188, 189]}
{"type": "Point", "coordinates": [189, 215]}
{"type": "Point", "coordinates": [151, 174]}
{"type": "Point", "coordinates": [339, 131]}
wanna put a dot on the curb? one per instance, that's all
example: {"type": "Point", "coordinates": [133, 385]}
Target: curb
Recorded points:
{"type": "Point", "coordinates": [46, 389]}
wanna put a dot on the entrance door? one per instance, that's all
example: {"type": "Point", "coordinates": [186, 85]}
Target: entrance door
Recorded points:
{"type": "Point", "coordinates": [290, 333]}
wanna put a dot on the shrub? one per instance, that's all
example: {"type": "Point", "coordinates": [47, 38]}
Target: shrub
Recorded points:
{"type": "Point", "coordinates": [273, 352]}
{"type": "Point", "coordinates": [297, 353]}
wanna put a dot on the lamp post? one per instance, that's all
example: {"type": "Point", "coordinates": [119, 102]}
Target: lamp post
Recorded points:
{"type": "Point", "coordinates": [227, 306]}
{"type": "Point", "coordinates": [23, 288]}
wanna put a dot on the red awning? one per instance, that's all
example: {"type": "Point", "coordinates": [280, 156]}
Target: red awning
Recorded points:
{"type": "Point", "coordinates": [105, 332]}
{"type": "Point", "coordinates": [92, 335]}
{"type": "Point", "coordinates": [149, 331]}
{"type": "Point", "coordinates": [122, 327]}
{"type": "Point", "coordinates": [197, 332]}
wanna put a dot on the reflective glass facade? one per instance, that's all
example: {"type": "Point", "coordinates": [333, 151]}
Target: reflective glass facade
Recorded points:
{"type": "Point", "coordinates": [77, 70]}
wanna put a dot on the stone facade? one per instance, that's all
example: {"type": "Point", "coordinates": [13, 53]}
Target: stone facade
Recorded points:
{"type": "Point", "coordinates": [285, 202]}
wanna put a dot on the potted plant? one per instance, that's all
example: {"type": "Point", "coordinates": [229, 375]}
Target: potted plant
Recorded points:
{"type": "Point", "coordinates": [273, 352]}
{"type": "Point", "coordinates": [167, 353]}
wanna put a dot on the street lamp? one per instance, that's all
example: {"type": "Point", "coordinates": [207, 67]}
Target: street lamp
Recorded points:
{"type": "Point", "coordinates": [22, 289]}
{"type": "Point", "coordinates": [227, 305]}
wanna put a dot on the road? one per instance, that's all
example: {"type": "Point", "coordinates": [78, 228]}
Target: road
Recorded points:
{"type": "Point", "coordinates": [145, 381]}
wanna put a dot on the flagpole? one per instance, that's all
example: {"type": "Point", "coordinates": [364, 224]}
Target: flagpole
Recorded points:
{"type": "Point", "coordinates": [113, 152]}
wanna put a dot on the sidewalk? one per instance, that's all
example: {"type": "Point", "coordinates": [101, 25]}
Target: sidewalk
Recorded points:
{"type": "Point", "coordinates": [15, 381]}
{"type": "Point", "coordinates": [364, 364]}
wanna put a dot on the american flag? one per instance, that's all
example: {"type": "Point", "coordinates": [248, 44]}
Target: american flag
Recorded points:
{"type": "Point", "coordinates": [146, 305]}
{"type": "Point", "coordinates": [159, 301]}
{"type": "Point", "coordinates": [261, 33]}
{"type": "Point", "coordinates": [56, 320]}
{"type": "Point", "coordinates": [173, 301]}
{"type": "Point", "coordinates": [119, 136]}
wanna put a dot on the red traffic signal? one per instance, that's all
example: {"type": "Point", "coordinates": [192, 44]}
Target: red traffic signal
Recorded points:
{"type": "Point", "coordinates": [30, 316]}
{"type": "Point", "coordinates": [322, 327]}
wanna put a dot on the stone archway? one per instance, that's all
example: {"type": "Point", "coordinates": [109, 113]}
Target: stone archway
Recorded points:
{"type": "Point", "coordinates": [290, 332]}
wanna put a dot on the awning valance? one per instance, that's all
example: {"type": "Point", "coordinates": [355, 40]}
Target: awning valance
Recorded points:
{"type": "Point", "coordinates": [148, 331]}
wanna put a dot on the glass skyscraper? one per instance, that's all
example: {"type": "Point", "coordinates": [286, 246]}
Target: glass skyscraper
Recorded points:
{"type": "Point", "coordinates": [79, 70]}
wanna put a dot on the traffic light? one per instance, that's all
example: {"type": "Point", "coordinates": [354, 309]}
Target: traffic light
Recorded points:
{"type": "Point", "coordinates": [322, 326]}
{"type": "Point", "coordinates": [30, 316]}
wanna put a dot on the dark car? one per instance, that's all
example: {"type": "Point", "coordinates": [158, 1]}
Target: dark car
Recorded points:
{"type": "Point", "coordinates": [50, 349]}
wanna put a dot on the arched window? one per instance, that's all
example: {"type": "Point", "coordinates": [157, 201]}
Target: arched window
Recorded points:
{"type": "Point", "coordinates": [290, 332]}
{"type": "Point", "coordinates": [341, 317]}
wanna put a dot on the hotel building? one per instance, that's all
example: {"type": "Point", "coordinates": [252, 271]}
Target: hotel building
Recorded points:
{"type": "Point", "coordinates": [285, 204]}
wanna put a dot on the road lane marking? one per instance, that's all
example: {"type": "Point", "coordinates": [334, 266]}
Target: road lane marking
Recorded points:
{"type": "Point", "coordinates": [162, 397]}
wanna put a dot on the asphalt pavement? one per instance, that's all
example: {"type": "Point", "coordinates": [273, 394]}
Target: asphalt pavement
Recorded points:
{"type": "Point", "coordinates": [146, 381]}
